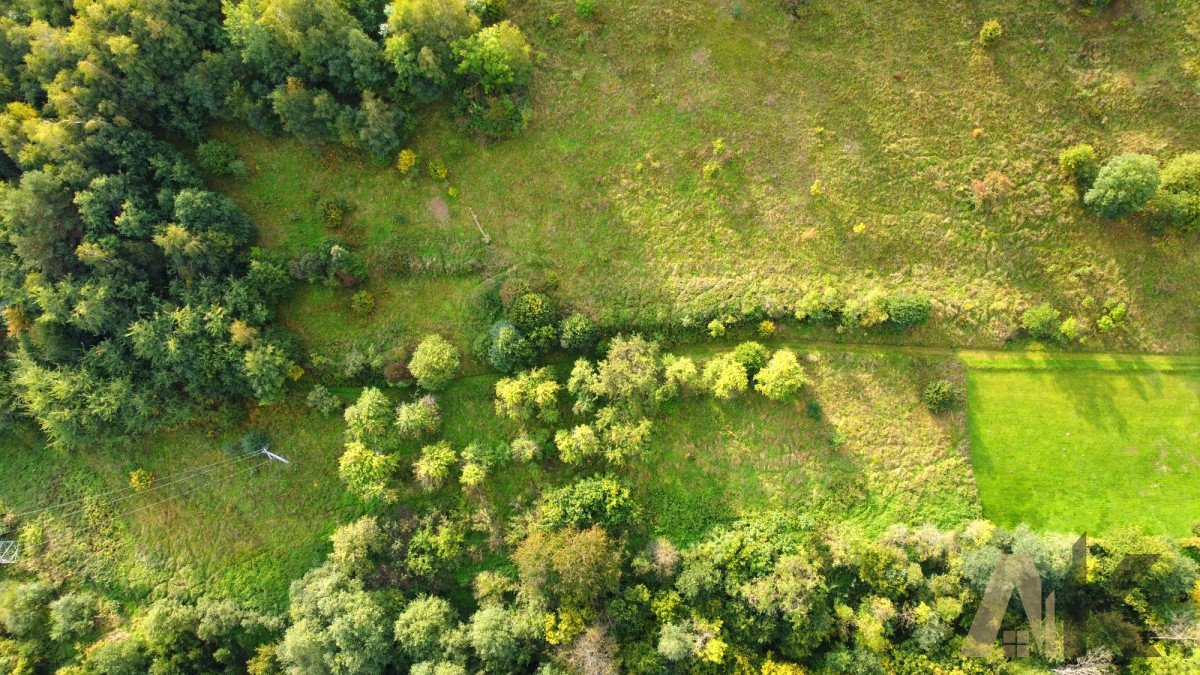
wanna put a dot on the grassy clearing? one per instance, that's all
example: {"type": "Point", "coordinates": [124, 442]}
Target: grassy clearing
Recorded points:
{"type": "Point", "coordinates": [879, 101]}
{"type": "Point", "coordinates": [1075, 449]}
{"type": "Point", "coordinates": [873, 455]}
{"type": "Point", "coordinates": [246, 535]}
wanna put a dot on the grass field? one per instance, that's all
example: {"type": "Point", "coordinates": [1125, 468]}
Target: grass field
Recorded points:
{"type": "Point", "coordinates": [243, 531]}
{"type": "Point", "coordinates": [873, 454]}
{"type": "Point", "coordinates": [1087, 445]}
{"type": "Point", "coordinates": [890, 105]}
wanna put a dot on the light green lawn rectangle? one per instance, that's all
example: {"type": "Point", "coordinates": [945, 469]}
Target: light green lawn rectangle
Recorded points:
{"type": "Point", "coordinates": [1087, 449]}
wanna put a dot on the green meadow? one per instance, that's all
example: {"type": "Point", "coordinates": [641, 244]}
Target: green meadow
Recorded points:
{"type": "Point", "coordinates": [1087, 445]}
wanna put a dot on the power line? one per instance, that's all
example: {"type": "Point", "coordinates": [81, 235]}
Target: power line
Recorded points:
{"type": "Point", "coordinates": [186, 472]}
{"type": "Point", "coordinates": [185, 475]}
{"type": "Point", "coordinates": [174, 496]}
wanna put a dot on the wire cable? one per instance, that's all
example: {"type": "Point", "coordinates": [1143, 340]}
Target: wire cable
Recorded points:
{"type": "Point", "coordinates": [112, 519]}
{"type": "Point", "coordinates": [172, 481]}
{"type": "Point", "coordinates": [181, 474]}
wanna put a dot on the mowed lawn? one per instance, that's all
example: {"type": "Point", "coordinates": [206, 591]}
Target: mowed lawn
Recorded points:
{"type": "Point", "coordinates": [1065, 445]}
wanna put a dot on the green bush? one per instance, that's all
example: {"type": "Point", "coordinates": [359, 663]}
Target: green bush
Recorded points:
{"type": "Point", "coordinates": [434, 363]}
{"type": "Point", "coordinates": [908, 309]}
{"type": "Point", "coordinates": [498, 59]}
{"type": "Point", "coordinates": [578, 333]}
{"type": "Point", "coordinates": [333, 211]}
{"type": "Point", "coordinates": [814, 410]}
{"type": "Point", "coordinates": [1078, 163]}
{"type": "Point", "coordinates": [219, 159]}
{"type": "Point", "coordinates": [490, 11]}
{"type": "Point", "coordinates": [941, 395]}
{"type": "Point", "coordinates": [752, 355]}
{"type": "Point", "coordinates": [1041, 321]}
{"type": "Point", "coordinates": [418, 418]}
{"type": "Point", "coordinates": [530, 312]}
{"type": "Point", "coordinates": [507, 349]}
{"type": "Point", "coordinates": [586, 9]}
{"type": "Point", "coordinates": [1177, 202]}
{"type": "Point", "coordinates": [367, 474]}
{"type": "Point", "coordinates": [990, 33]}
{"type": "Point", "coordinates": [782, 376]}
{"type": "Point", "coordinates": [323, 401]}
{"type": "Point", "coordinates": [362, 303]}
{"type": "Point", "coordinates": [725, 376]}
{"type": "Point", "coordinates": [598, 500]}
{"type": "Point", "coordinates": [1124, 185]}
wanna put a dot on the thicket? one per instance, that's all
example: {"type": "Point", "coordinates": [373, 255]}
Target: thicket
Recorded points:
{"type": "Point", "coordinates": [128, 289]}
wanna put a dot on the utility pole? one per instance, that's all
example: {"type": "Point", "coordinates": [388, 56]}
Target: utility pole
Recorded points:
{"type": "Point", "coordinates": [272, 456]}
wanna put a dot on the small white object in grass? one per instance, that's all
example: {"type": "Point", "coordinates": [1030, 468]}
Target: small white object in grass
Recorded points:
{"type": "Point", "coordinates": [9, 552]}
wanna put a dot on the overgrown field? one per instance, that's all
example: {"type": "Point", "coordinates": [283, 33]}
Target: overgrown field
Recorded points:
{"type": "Point", "coordinates": [858, 446]}
{"type": "Point", "coordinates": [243, 527]}
{"type": "Point", "coordinates": [703, 158]}
{"type": "Point", "coordinates": [1079, 445]}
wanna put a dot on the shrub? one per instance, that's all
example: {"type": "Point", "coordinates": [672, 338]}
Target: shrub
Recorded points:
{"type": "Point", "coordinates": [1079, 163]}
{"type": "Point", "coordinates": [406, 161]}
{"type": "Point", "coordinates": [530, 311]}
{"type": "Point", "coordinates": [1178, 199]}
{"type": "Point", "coordinates": [528, 397]}
{"type": "Point", "coordinates": [1069, 329]}
{"type": "Point", "coordinates": [766, 328]}
{"type": "Point", "coordinates": [490, 11]}
{"type": "Point", "coordinates": [434, 363]}
{"type": "Point", "coordinates": [354, 544]}
{"type": "Point", "coordinates": [586, 9]}
{"type": "Point", "coordinates": [781, 377]}
{"type": "Point", "coordinates": [543, 338]}
{"type": "Point", "coordinates": [592, 501]}
{"type": "Point", "coordinates": [73, 616]}
{"type": "Point", "coordinates": [630, 374]}
{"type": "Point", "coordinates": [578, 333]}
{"type": "Point", "coordinates": [495, 116]}
{"type": "Point", "coordinates": [322, 400]}
{"type": "Point", "coordinates": [679, 374]}
{"type": "Point", "coordinates": [219, 159]}
{"type": "Point", "coordinates": [424, 628]}
{"type": "Point", "coordinates": [525, 449]}
{"type": "Point", "coordinates": [333, 211]}
{"type": "Point", "coordinates": [366, 473]}
{"type": "Point", "coordinates": [1124, 185]}
{"type": "Point", "coordinates": [940, 395]}
{"type": "Point", "coordinates": [813, 410]}
{"type": "Point", "coordinates": [1040, 321]}
{"type": "Point", "coordinates": [577, 445]}
{"type": "Point", "coordinates": [369, 418]}
{"type": "Point", "coordinates": [716, 328]}
{"type": "Point", "coordinates": [433, 467]}
{"type": "Point", "coordinates": [419, 417]}
{"type": "Point", "coordinates": [362, 303]}
{"type": "Point", "coordinates": [909, 309]}
{"type": "Point", "coordinates": [752, 355]}
{"type": "Point", "coordinates": [140, 480]}
{"type": "Point", "coordinates": [725, 376]}
{"type": "Point", "coordinates": [508, 350]}
{"type": "Point", "coordinates": [795, 8]}
{"type": "Point", "coordinates": [436, 168]}
{"type": "Point", "coordinates": [990, 33]}
{"type": "Point", "coordinates": [498, 58]}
